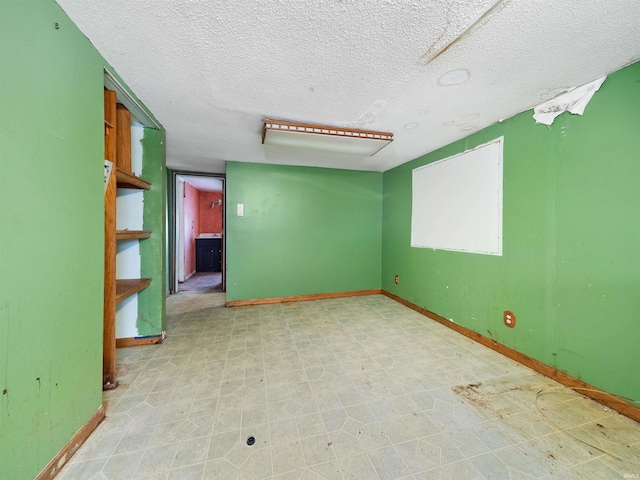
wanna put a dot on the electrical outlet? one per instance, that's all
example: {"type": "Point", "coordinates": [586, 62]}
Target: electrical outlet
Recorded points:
{"type": "Point", "coordinates": [509, 319]}
{"type": "Point", "coordinates": [397, 279]}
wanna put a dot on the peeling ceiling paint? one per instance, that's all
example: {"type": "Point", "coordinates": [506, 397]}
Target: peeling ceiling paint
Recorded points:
{"type": "Point", "coordinates": [430, 71]}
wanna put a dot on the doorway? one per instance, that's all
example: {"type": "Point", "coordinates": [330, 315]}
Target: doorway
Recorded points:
{"type": "Point", "coordinates": [198, 260]}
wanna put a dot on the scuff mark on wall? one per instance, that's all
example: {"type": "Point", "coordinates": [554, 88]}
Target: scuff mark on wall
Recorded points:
{"type": "Point", "coordinates": [4, 362]}
{"type": "Point", "coordinates": [574, 101]}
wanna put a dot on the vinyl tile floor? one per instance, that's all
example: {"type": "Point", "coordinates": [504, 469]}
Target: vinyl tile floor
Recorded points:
{"type": "Point", "coordinates": [203, 281]}
{"type": "Point", "coordinates": [352, 388]}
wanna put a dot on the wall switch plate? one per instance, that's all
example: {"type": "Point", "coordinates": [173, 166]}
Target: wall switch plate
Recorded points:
{"type": "Point", "coordinates": [241, 209]}
{"type": "Point", "coordinates": [509, 319]}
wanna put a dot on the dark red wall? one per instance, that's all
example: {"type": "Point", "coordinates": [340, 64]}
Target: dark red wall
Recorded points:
{"type": "Point", "coordinates": [210, 218]}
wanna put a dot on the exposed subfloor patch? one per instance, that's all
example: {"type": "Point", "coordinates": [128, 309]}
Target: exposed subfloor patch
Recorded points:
{"type": "Point", "coordinates": [359, 387]}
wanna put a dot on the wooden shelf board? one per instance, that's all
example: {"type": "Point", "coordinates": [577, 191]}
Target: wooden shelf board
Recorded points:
{"type": "Point", "coordinates": [132, 234]}
{"type": "Point", "coordinates": [138, 341]}
{"type": "Point", "coordinates": [129, 180]}
{"type": "Point", "coordinates": [128, 287]}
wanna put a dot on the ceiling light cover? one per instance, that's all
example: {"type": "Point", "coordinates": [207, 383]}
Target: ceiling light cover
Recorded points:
{"type": "Point", "coordinates": [328, 139]}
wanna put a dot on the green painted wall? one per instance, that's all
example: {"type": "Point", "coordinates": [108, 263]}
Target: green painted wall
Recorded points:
{"type": "Point", "coordinates": [51, 233]}
{"type": "Point", "coordinates": [305, 230]}
{"type": "Point", "coordinates": [151, 304]}
{"type": "Point", "coordinates": [570, 269]}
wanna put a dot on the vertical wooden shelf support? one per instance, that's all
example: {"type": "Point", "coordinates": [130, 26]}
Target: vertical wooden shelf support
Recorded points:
{"type": "Point", "coordinates": [117, 149]}
{"type": "Point", "coordinates": [123, 139]}
{"type": "Point", "coordinates": [109, 319]}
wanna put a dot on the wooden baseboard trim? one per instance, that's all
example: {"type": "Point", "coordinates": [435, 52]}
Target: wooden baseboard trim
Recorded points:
{"type": "Point", "coordinates": [581, 387]}
{"type": "Point", "coordinates": [138, 341]}
{"type": "Point", "coordinates": [301, 298]}
{"type": "Point", "coordinates": [72, 446]}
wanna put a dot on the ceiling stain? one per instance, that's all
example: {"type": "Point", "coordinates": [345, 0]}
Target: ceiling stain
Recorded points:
{"type": "Point", "coordinates": [372, 114]}
{"type": "Point", "coordinates": [549, 93]}
{"type": "Point", "coordinates": [429, 56]}
{"type": "Point", "coordinates": [461, 124]}
{"type": "Point", "coordinates": [426, 57]}
{"type": "Point", "coordinates": [454, 77]}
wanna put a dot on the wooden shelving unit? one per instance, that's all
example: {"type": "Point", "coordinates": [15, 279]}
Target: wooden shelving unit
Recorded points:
{"type": "Point", "coordinates": [107, 127]}
{"type": "Point", "coordinates": [117, 149]}
{"type": "Point", "coordinates": [128, 287]}
{"type": "Point", "coordinates": [132, 234]}
{"type": "Point", "coordinates": [129, 180]}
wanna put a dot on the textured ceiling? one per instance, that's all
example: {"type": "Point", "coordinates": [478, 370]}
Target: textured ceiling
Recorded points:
{"type": "Point", "coordinates": [211, 71]}
{"type": "Point", "coordinates": [204, 184]}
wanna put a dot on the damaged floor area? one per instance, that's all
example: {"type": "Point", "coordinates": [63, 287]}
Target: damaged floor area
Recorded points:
{"type": "Point", "coordinates": [352, 388]}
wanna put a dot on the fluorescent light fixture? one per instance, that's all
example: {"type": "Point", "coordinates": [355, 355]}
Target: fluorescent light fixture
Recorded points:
{"type": "Point", "coordinates": [328, 139]}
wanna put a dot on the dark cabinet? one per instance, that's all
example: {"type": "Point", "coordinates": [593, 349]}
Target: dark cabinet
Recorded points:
{"type": "Point", "coordinates": [208, 254]}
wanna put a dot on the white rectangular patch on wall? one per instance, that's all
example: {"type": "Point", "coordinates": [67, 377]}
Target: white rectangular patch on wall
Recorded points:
{"type": "Point", "coordinates": [457, 202]}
